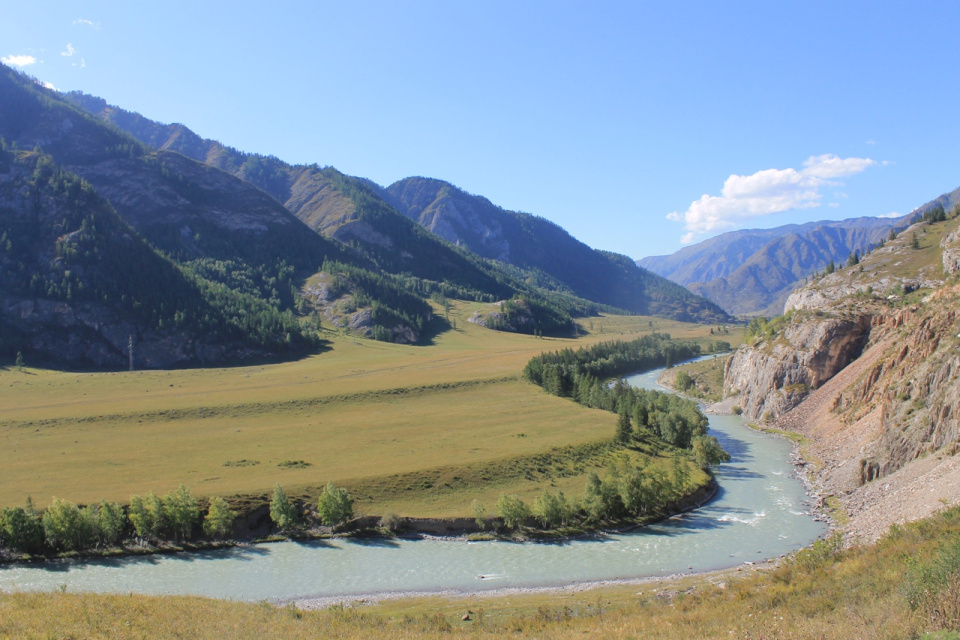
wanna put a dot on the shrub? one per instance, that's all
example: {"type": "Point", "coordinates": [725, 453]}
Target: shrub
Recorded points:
{"type": "Point", "coordinates": [392, 522]}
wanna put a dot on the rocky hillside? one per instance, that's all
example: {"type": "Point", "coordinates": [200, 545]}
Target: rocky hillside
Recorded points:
{"type": "Point", "coordinates": [866, 364]}
{"type": "Point", "coordinates": [753, 271]}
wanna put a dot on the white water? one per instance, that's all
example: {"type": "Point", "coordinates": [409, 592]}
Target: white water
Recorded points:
{"type": "Point", "coordinates": [759, 513]}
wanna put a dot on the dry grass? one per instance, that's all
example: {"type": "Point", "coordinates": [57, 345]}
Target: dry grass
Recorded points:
{"type": "Point", "coordinates": [359, 414]}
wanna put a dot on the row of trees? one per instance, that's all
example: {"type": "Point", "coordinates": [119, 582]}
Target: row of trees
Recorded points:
{"type": "Point", "coordinates": [629, 490]}
{"type": "Point", "coordinates": [66, 526]}
{"type": "Point", "coordinates": [578, 375]}
{"type": "Point", "coordinates": [557, 372]}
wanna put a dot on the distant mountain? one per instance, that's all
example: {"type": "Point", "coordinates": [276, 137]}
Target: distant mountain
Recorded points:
{"type": "Point", "coordinates": [390, 227]}
{"type": "Point", "coordinates": [753, 271]}
{"type": "Point", "coordinates": [538, 245]}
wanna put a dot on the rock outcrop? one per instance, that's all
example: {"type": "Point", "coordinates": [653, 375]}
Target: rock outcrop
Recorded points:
{"type": "Point", "coordinates": [775, 375]}
{"type": "Point", "coordinates": [951, 252]}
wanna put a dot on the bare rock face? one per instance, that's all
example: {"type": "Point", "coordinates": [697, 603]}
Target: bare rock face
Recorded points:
{"type": "Point", "coordinates": [951, 252]}
{"type": "Point", "coordinates": [916, 385]}
{"type": "Point", "coordinates": [773, 376]}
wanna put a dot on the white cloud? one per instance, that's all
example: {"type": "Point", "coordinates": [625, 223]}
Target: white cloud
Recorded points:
{"type": "Point", "coordinates": [81, 64]}
{"type": "Point", "coordinates": [18, 61]}
{"type": "Point", "coordinates": [831, 166]}
{"type": "Point", "coordinates": [892, 214]}
{"type": "Point", "coordinates": [49, 85]}
{"type": "Point", "coordinates": [766, 192]}
{"type": "Point", "coordinates": [833, 205]}
{"type": "Point", "coordinates": [68, 52]}
{"type": "Point", "coordinates": [86, 23]}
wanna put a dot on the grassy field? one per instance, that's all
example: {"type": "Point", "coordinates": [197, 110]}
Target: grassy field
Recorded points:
{"type": "Point", "coordinates": [905, 586]}
{"type": "Point", "coordinates": [364, 414]}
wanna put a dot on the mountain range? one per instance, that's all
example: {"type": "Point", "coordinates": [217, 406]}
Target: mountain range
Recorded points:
{"type": "Point", "coordinates": [359, 211]}
{"type": "Point", "coordinates": [752, 271]}
{"type": "Point", "coordinates": [244, 232]}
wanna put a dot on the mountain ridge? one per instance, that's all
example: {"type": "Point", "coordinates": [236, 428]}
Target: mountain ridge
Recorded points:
{"type": "Point", "coordinates": [342, 207]}
{"type": "Point", "coordinates": [753, 270]}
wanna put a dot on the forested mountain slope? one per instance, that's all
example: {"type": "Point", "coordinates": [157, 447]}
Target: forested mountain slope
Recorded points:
{"type": "Point", "coordinates": [536, 244]}
{"type": "Point", "coordinates": [78, 284]}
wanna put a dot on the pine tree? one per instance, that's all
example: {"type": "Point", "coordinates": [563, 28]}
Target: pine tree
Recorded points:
{"type": "Point", "coordinates": [624, 430]}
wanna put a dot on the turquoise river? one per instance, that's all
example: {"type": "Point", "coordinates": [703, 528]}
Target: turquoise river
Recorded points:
{"type": "Point", "coordinates": [759, 512]}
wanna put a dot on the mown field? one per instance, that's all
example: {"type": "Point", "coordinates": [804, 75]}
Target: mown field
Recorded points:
{"type": "Point", "coordinates": [417, 430]}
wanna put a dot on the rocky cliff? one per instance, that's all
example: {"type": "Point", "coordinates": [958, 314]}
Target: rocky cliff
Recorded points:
{"type": "Point", "coordinates": [774, 375]}
{"type": "Point", "coordinates": [867, 367]}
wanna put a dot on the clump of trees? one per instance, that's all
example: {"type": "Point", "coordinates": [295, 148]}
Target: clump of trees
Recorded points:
{"type": "Point", "coordinates": [334, 507]}
{"type": "Point", "coordinates": [66, 526]}
{"type": "Point", "coordinates": [557, 372]}
{"type": "Point", "coordinates": [629, 490]}
{"type": "Point", "coordinates": [764, 328]}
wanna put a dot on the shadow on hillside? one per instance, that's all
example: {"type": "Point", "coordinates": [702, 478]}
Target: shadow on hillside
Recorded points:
{"type": "Point", "coordinates": [434, 328]}
{"type": "Point", "coordinates": [323, 347]}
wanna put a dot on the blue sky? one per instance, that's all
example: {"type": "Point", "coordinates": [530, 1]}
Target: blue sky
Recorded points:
{"type": "Point", "coordinates": [636, 126]}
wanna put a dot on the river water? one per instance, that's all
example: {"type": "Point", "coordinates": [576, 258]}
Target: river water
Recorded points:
{"type": "Point", "coordinates": [759, 513]}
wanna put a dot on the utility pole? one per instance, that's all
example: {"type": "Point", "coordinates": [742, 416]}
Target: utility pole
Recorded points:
{"type": "Point", "coordinates": [130, 350]}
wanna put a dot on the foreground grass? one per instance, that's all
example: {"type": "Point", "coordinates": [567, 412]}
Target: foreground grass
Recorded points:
{"type": "Point", "coordinates": [903, 587]}
{"type": "Point", "coordinates": [416, 430]}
